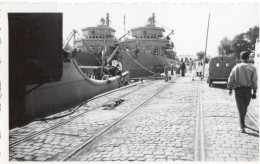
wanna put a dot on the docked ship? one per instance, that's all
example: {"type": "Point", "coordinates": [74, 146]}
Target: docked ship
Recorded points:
{"type": "Point", "coordinates": [95, 40]}
{"type": "Point", "coordinates": [149, 49]}
{"type": "Point", "coordinates": [45, 79]}
{"type": "Point", "coordinates": [145, 55]}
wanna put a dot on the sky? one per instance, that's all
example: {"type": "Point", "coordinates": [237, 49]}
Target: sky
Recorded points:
{"type": "Point", "coordinates": [189, 21]}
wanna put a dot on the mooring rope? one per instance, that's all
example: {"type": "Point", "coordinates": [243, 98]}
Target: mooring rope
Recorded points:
{"type": "Point", "coordinates": [103, 67]}
{"type": "Point", "coordinates": [139, 63]}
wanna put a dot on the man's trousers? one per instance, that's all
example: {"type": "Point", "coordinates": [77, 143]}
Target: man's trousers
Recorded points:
{"type": "Point", "coordinates": [243, 97]}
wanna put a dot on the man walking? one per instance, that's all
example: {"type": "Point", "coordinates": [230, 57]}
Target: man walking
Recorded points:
{"type": "Point", "coordinates": [243, 78]}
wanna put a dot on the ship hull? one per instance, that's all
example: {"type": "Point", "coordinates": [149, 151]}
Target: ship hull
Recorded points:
{"type": "Point", "coordinates": [153, 63]}
{"type": "Point", "coordinates": [73, 88]}
{"type": "Point", "coordinates": [87, 59]}
{"type": "Point", "coordinates": [148, 61]}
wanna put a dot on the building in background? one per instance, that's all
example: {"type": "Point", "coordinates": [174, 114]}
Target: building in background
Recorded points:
{"type": "Point", "coordinates": [187, 57]}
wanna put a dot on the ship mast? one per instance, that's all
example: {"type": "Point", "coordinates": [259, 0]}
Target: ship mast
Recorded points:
{"type": "Point", "coordinates": [107, 19]}
{"type": "Point", "coordinates": [153, 22]}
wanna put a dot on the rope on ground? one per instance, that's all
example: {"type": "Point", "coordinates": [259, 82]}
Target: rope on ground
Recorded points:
{"type": "Point", "coordinates": [139, 63]}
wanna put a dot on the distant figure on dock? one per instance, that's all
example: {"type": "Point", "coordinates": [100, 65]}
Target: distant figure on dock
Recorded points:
{"type": "Point", "coordinates": [194, 65]}
{"type": "Point", "coordinates": [166, 69]}
{"type": "Point", "coordinates": [178, 69]}
{"type": "Point", "coordinates": [190, 65]}
{"type": "Point", "coordinates": [243, 78]}
{"type": "Point", "coordinates": [114, 69]}
{"type": "Point", "coordinates": [183, 68]}
{"type": "Point", "coordinates": [199, 69]}
{"type": "Point", "coordinates": [119, 69]}
{"type": "Point", "coordinates": [172, 68]}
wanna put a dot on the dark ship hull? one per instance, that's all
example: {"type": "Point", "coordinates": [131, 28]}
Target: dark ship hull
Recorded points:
{"type": "Point", "coordinates": [149, 61]}
{"type": "Point", "coordinates": [73, 88]}
{"type": "Point", "coordinates": [43, 80]}
{"type": "Point", "coordinates": [88, 59]}
{"type": "Point", "coordinates": [154, 63]}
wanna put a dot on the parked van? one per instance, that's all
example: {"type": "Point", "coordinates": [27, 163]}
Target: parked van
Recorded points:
{"type": "Point", "coordinates": [220, 68]}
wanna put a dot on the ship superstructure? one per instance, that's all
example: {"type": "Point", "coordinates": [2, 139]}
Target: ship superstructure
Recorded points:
{"type": "Point", "coordinates": [96, 39]}
{"type": "Point", "coordinates": [150, 48]}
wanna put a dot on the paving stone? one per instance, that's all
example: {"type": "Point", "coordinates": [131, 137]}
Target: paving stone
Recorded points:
{"type": "Point", "coordinates": [19, 156]}
{"type": "Point", "coordinates": [28, 158]}
{"type": "Point", "coordinates": [132, 159]}
{"type": "Point", "coordinates": [41, 159]}
{"type": "Point", "coordinates": [153, 132]}
{"type": "Point", "coordinates": [160, 160]}
{"type": "Point", "coordinates": [230, 159]}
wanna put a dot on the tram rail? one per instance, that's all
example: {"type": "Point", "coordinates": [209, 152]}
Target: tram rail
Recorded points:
{"type": "Point", "coordinates": [32, 135]}
{"type": "Point", "coordinates": [199, 141]}
{"type": "Point", "coordinates": [199, 149]}
{"type": "Point", "coordinates": [96, 136]}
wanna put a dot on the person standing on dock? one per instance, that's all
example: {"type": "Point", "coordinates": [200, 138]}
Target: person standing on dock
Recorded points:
{"type": "Point", "coordinates": [172, 68]}
{"type": "Point", "coordinates": [166, 69]}
{"type": "Point", "coordinates": [178, 67]}
{"type": "Point", "coordinates": [199, 69]}
{"type": "Point", "coordinates": [243, 78]}
{"type": "Point", "coordinates": [183, 68]}
{"type": "Point", "coordinates": [190, 65]}
{"type": "Point", "coordinates": [119, 69]}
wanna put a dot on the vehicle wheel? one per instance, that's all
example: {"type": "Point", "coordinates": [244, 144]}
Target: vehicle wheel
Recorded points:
{"type": "Point", "coordinates": [210, 83]}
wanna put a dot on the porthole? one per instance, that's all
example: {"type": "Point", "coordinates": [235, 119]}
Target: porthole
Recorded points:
{"type": "Point", "coordinates": [227, 64]}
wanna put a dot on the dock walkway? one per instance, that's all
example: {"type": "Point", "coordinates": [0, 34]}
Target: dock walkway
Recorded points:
{"type": "Point", "coordinates": [179, 120]}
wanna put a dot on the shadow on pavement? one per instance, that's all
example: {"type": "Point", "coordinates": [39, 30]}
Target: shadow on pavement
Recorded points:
{"type": "Point", "coordinates": [253, 134]}
{"type": "Point", "coordinates": [255, 130]}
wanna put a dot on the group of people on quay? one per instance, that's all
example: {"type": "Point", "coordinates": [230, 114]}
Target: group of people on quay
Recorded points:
{"type": "Point", "coordinates": [113, 69]}
{"type": "Point", "coordinates": [180, 68]}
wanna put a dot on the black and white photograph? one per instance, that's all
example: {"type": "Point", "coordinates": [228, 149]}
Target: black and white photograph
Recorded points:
{"type": "Point", "coordinates": [133, 81]}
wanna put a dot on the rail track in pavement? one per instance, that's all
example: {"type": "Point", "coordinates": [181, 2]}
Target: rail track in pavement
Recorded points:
{"type": "Point", "coordinates": [93, 138]}
{"type": "Point", "coordinates": [200, 149]}
{"type": "Point", "coordinates": [34, 134]}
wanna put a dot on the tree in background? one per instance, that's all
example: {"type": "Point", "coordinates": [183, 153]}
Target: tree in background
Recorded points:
{"type": "Point", "coordinates": [241, 42]}
{"type": "Point", "coordinates": [224, 48]}
{"type": "Point", "coordinates": [201, 56]}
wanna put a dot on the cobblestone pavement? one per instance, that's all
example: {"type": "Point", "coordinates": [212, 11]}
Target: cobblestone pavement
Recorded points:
{"type": "Point", "coordinates": [37, 126]}
{"type": "Point", "coordinates": [161, 130]}
{"type": "Point", "coordinates": [57, 143]}
{"type": "Point", "coordinates": [223, 141]}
